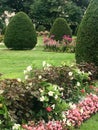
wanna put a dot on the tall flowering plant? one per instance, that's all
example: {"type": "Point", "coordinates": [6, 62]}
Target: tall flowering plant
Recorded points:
{"type": "Point", "coordinates": [52, 105]}
{"type": "Point", "coordinates": [59, 46]}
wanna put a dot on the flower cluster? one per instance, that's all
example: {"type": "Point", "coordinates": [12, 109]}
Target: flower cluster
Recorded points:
{"type": "Point", "coordinates": [51, 125]}
{"type": "Point", "coordinates": [74, 117]}
{"type": "Point", "coordinates": [83, 110]}
{"type": "Point", "coordinates": [59, 46]}
{"type": "Point", "coordinates": [52, 103]}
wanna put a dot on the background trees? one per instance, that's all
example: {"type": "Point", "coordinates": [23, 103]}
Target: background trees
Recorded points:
{"type": "Point", "coordinates": [44, 13]}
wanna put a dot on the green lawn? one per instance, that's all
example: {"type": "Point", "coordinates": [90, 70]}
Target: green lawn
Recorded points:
{"type": "Point", "coordinates": [91, 124]}
{"type": "Point", "coordinates": [12, 63]}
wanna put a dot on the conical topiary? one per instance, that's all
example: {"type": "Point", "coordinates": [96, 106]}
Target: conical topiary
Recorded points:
{"type": "Point", "coordinates": [20, 33]}
{"type": "Point", "coordinates": [87, 36]}
{"type": "Point", "coordinates": [60, 28]}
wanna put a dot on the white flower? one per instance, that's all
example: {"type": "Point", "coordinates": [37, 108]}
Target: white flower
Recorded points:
{"type": "Point", "coordinates": [79, 72]}
{"type": "Point", "coordinates": [55, 87]}
{"type": "Point", "coordinates": [78, 83]}
{"type": "Point", "coordinates": [42, 98]}
{"type": "Point", "coordinates": [25, 71]}
{"type": "Point", "coordinates": [29, 68]}
{"type": "Point", "coordinates": [71, 78]}
{"type": "Point", "coordinates": [16, 127]}
{"type": "Point", "coordinates": [1, 91]}
{"type": "Point", "coordinates": [68, 123]}
{"type": "Point", "coordinates": [82, 72]}
{"type": "Point", "coordinates": [53, 106]}
{"type": "Point", "coordinates": [44, 63]}
{"type": "Point", "coordinates": [30, 84]}
{"type": "Point", "coordinates": [50, 93]}
{"type": "Point", "coordinates": [56, 96]}
{"type": "Point", "coordinates": [41, 90]}
{"type": "Point", "coordinates": [73, 106]}
{"type": "Point", "coordinates": [26, 77]}
{"type": "Point", "coordinates": [70, 73]}
{"type": "Point", "coordinates": [19, 80]}
{"type": "Point", "coordinates": [40, 77]}
{"type": "Point", "coordinates": [81, 110]}
{"type": "Point", "coordinates": [48, 65]}
{"type": "Point", "coordinates": [60, 88]}
{"type": "Point", "coordinates": [89, 73]}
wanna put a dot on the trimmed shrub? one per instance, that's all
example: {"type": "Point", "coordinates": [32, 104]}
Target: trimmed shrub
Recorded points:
{"type": "Point", "coordinates": [60, 28]}
{"type": "Point", "coordinates": [20, 33]}
{"type": "Point", "coordinates": [87, 37]}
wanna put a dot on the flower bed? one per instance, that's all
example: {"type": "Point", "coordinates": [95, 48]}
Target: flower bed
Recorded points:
{"type": "Point", "coordinates": [45, 97]}
{"type": "Point", "coordinates": [72, 118]}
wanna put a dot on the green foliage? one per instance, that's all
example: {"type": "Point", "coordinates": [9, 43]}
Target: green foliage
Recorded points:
{"type": "Point", "coordinates": [5, 120]}
{"type": "Point", "coordinates": [41, 28]}
{"type": "Point", "coordinates": [90, 68]}
{"type": "Point", "coordinates": [1, 38]}
{"type": "Point", "coordinates": [33, 99]}
{"type": "Point", "coordinates": [60, 28]}
{"type": "Point", "coordinates": [87, 37]}
{"type": "Point", "coordinates": [71, 79]}
{"type": "Point", "coordinates": [20, 33]}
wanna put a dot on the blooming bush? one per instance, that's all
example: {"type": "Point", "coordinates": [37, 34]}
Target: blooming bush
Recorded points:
{"type": "Point", "coordinates": [75, 83]}
{"type": "Point", "coordinates": [89, 68]}
{"type": "Point", "coordinates": [74, 117]}
{"type": "Point", "coordinates": [59, 46]}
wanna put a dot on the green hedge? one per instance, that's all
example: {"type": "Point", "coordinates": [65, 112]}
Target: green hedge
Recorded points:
{"type": "Point", "coordinates": [60, 28]}
{"type": "Point", "coordinates": [20, 33]}
{"type": "Point", "coordinates": [87, 37]}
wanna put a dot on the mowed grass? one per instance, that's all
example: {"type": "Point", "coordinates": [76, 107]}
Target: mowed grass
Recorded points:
{"type": "Point", "coordinates": [12, 63]}
{"type": "Point", "coordinates": [91, 124]}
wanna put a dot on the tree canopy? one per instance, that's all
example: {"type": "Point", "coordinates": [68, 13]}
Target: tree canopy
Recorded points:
{"type": "Point", "coordinates": [44, 12]}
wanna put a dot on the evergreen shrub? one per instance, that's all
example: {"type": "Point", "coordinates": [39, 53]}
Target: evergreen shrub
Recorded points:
{"type": "Point", "coordinates": [87, 37]}
{"type": "Point", "coordinates": [60, 28]}
{"type": "Point", "coordinates": [20, 33]}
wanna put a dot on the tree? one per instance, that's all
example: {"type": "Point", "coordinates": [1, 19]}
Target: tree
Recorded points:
{"type": "Point", "coordinates": [20, 33]}
{"type": "Point", "coordinates": [87, 37]}
{"type": "Point", "coordinates": [60, 28]}
{"type": "Point", "coordinates": [44, 13]}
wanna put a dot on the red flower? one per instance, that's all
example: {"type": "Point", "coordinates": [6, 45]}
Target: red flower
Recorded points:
{"type": "Point", "coordinates": [49, 109]}
{"type": "Point", "coordinates": [82, 91]}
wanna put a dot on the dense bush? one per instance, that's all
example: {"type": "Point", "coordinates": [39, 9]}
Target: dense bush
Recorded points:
{"type": "Point", "coordinates": [40, 28]}
{"type": "Point", "coordinates": [44, 93]}
{"type": "Point", "coordinates": [87, 37]}
{"type": "Point", "coordinates": [89, 68]}
{"type": "Point", "coordinates": [60, 28]}
{"type": "Point", "coordinates": [20, 33]}
{"type": "Point", "coordinates": [74, 82]}
{"type": "Point", "coordinates": [32, 99]}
